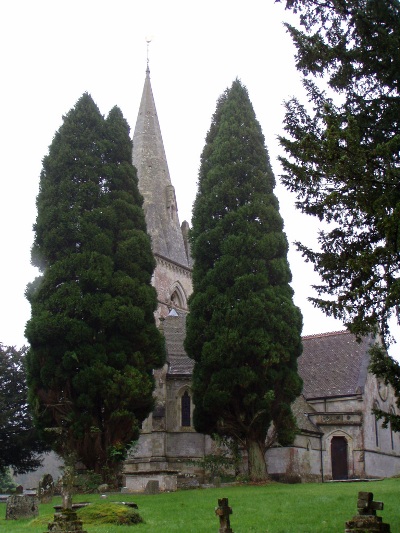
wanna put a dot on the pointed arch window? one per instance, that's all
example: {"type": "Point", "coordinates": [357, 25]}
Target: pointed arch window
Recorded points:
{"type": "Point", "coordinates": [376, 406]}
{"type": "Point", "coordinates": [185, 409]}
{"type": "Point", "coordinates": [391, 429]}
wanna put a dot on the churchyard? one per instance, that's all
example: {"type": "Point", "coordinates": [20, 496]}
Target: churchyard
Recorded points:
{"type": "Point", "coordinates": [270, 508]}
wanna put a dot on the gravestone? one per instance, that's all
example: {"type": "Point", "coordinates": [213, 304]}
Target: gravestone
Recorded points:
{"type": "Point", "coordinates": [46, 489]}
{"type": "Point", "coordinates": [103, 488]}
{"type": "Point", "coordinates": [19, 489]}
{"type": "Point", "coordinates": [152, 487]}
{"type": "Point", "coordinates": [224, 511]}
{"type": "Point", "coordinates": [66, 522]}
{"type": "Point", "coordinates": [22, 506]}
{"type": "Point", "coordinates": [366, 520]}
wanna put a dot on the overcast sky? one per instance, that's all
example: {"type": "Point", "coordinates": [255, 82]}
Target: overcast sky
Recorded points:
{"type": "Point", "coordinates": [53, 51]}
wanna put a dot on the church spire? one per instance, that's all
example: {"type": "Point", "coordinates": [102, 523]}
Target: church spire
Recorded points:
{"type": "Point", "coordinates": [155, 185]}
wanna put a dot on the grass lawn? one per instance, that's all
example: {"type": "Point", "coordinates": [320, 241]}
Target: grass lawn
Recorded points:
{"type": "Point", "coordinates": [272, 508]}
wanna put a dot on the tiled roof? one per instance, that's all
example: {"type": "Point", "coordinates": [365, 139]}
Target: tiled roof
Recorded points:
{"type": "Point", "coordinates": [333, 364]}
{"type": "Point", "coordinates": [174, 332]}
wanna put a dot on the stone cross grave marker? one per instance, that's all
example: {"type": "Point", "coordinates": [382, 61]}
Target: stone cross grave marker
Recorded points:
{"type": "Point", "coordinates": [366, 520]}
{"type": "Point", "coordinates": [224, 511]}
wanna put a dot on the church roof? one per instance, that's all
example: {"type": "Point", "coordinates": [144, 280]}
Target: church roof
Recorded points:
{"type": "Point", "coordinates": [155, 185]}
{"type": "Point", "coordinates": [174, 327]}
{"type": "Point", "coordinates": [333, 364]}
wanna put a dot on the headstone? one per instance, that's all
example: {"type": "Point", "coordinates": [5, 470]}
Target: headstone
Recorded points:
{"type": "Point", "coordinates": [224, 511]}
{"type": "Point", "coordinates": [22, 506]}
{"type": "Point", "coordinates": [19, 489]}
{"type": "Point", "coordinates": [366, 520]}
{"type": "Point", "coordinates": [46, 489]}
{"type": "Point", "coordinates": [152, 487]}
{"type": "Point", "coordinates": [66, 522]}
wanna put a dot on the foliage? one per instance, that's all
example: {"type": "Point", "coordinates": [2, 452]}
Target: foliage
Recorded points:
{"type": "Point", "coordinates": [7, 484]}
{"type": "Point", "coordinates": [215, 464]}
{"type": "Point", "coordinates": [20, 446]}
{"type": "Point", "coordinates": [243, 330]}
{"type": "Point", "coordinates": [93, 339]}
{"type": "Point", "coordinates": [344, 160]}
{"type": "Point", "coordinates": [87, 482]}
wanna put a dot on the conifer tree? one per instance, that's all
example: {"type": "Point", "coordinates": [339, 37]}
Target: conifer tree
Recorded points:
{"type": "Point", "coordinates": [92, 334]}
{"type": "Point", "coordinates": [243, 330]}
{"type": "Point", "coordinates": [20, 446]}
{"type": "Point", "coordinates": [343, 163]}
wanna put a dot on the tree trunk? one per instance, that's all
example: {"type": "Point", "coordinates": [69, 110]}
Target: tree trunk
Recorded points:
{"type": "Point", "coordinates": [257, 465]}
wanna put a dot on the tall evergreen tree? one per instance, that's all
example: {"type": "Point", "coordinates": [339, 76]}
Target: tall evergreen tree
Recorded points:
{"type": "Point", "coordinates": [20, 446]}
{"type": "Point", "coordinates": [344, 161]}
{"type": "Point", "coordinates": [92, 334]}
{"type": "Point", "coordinates": [243, 330]}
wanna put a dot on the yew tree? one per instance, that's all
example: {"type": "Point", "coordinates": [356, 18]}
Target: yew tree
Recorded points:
{"type": "Point", "coordinates": [343, 162]}
{"type": "Point", "coordinates": [93, 339]}
{"type": "Point", "coordinates": [243, 330]}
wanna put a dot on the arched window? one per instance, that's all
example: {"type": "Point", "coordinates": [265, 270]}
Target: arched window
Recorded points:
{"type": "Point", "coordinates": [376, 406]}
{"type": "Point", "coordinates": [185, 409]}
{"type": "Point", "coordinates": [391, 429]}
{"type": "Point", "coordinates": [177, 297]}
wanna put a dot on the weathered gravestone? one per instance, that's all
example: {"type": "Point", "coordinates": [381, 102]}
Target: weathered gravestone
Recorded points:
{"type": "Point", "coordinates": [224, 511]}
{"type": "Point", "coordinates": [366, 520]}
{"type": "Point", "coordinates": [22, 506]}
{"type": "Point", "coordinates": [66, 522]}
{"type": "Point", "coordinates": [152, 487]}
{"type": "Point", "coordinates": [46, 489]}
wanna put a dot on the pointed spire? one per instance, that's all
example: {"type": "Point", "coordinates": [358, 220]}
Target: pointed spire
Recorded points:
{"type": "Point", "coordinates": [160, 205]}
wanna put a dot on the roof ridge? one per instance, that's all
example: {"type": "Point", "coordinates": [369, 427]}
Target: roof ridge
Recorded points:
{"type": "Point", "coordinates": [326, 334]}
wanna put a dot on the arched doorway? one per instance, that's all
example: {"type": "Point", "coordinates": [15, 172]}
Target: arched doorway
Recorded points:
{"type": "Point", "coordinates": [339, 458]}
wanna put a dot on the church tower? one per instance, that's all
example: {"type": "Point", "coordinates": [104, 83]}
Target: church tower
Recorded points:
{"type": "Point", "coordinates": [168, 438]}
{"type": "Point", "coordinates": [172, 275]}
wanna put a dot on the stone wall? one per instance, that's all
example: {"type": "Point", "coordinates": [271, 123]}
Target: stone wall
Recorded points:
{"type": "Point", "coordinates": [138, 483]}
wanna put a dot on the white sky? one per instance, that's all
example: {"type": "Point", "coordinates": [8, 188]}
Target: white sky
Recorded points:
{"type": "Point", "coordinates": [53, 51]}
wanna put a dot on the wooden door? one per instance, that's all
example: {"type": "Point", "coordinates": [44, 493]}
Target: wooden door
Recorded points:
{"type": "Point", "coordinates": [339, 458]}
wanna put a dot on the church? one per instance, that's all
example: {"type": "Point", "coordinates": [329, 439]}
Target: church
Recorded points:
{"type": "Point", "coordinates": [338, 436]}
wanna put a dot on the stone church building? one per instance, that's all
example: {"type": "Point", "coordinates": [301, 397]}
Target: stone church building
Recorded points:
{"type": "Point", "coordinates": [338, 438]}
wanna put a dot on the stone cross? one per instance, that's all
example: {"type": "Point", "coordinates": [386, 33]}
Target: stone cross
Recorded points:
{"type": "Point", "coordinates": [366, 520]}
{"type": "Point", "coordinates": [67, 487]}
{"type": "Point", "coordinates": [366, 505]}
{"type": "Point", "coordinates": [223, 511]}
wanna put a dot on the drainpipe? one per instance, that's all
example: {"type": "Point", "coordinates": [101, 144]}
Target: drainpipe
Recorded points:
{"type": "Point", "coordinates": [322, 462]}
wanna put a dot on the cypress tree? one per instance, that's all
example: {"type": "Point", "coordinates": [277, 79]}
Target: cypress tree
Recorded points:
{"type": "Point", "coordinates": [243, 330]}
{"type": "Point", "coordinates": [92, 334]}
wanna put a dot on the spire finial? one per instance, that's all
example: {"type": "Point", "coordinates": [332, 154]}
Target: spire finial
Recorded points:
{"type": "Point", "coordinates": [148, 41]}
